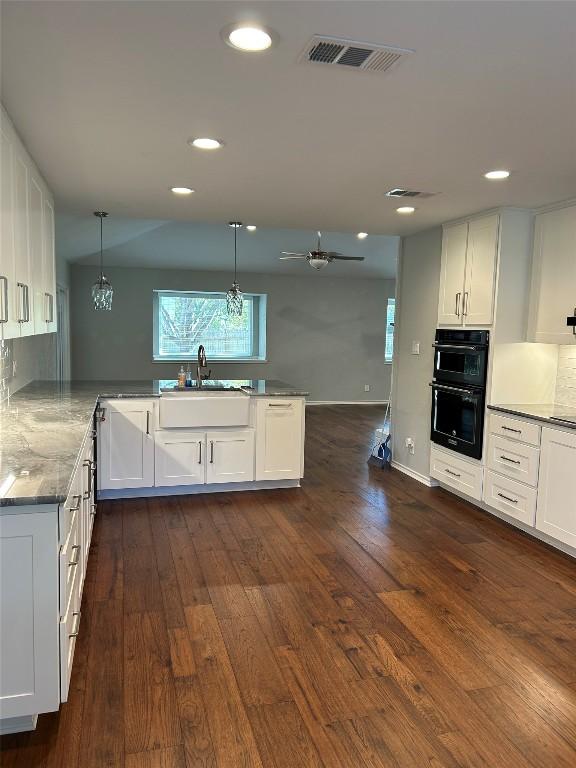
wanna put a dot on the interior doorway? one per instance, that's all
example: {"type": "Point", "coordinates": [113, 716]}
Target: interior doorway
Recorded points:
{"type": "Point", "coordinates": [63, 334]}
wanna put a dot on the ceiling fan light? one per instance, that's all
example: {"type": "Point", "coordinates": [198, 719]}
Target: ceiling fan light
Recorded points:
{"type": "Point", "coordinates": [318, 263]}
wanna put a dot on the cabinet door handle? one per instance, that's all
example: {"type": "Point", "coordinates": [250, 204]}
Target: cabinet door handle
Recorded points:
{"type": "Point", "coordinates": [88, 464]}
{"type": "Point", "coordinates": [77, 615]}
{"type": "Point", "coordinates": [21, 302]}
{"type": "Point", "coordinates": [510, 429]}
{"type": "Point", "coordinates": [4, 300]}
{"type": "Point", "coordinates": [74, 562]}
{"type": "Point", "coordinates": [457, 308]}
{"type": "Point", "coordinates": [27, 303]}
{"type": "Point", "coordinates": [465, 305]}
{"type": "Point", "coordinates": [454, 474]}
{"type": "Point", "coordinates": [511, 461]}
{"type": "Point", "coordinates": [147, 422]}
{"type": "Point", "coordinates": [199, 451]}
{"type": "Point", "coordinates": [508, 498]}
{"type": "Point", "coordinates": [48, 308]}
{"type": "Point", "coordinates": [211, 451]}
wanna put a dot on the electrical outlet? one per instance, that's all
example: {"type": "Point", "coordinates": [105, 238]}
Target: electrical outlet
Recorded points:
{"type": "Point", "coordinates": [410, 445]}
{"type": "Point", "coordinates": [366, 387]}
{"type": "Point", "coordinates": [14, 367]}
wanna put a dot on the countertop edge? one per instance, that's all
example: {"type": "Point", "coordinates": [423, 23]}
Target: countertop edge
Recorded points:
{"type": "Point", "coordinates": [525, 415]}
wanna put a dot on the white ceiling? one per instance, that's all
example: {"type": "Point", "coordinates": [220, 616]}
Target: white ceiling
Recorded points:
{"type": "Point", "coordinates": [203, 246]}
{"type": "Point", "coordinates": [105, 95]}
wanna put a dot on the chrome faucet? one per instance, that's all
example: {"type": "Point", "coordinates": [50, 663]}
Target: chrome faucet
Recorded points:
{"type": "Point", "coordinates": [202, 363]}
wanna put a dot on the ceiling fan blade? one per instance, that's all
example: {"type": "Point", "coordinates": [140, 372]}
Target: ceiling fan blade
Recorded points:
{"type": "Point", "coordinates": [347, 258]}
{"type": "Point", "coordinates": [291, 253]}
{"type": "Point", "coordinates": [290, 257]}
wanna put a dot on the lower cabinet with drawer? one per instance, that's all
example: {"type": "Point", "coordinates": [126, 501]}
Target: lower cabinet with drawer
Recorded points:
{"type": "Point", "coordinates": [511, 497]}
{"type": "Point", "coordinates": [464, 476]}
{"type": "Point", "coordinates": [43, 555]}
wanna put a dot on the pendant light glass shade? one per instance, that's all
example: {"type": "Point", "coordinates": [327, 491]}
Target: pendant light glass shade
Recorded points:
{"type": "Point", "coordinates": [102, 291]}
{"type": "Point", "coordinates": [234, 298]}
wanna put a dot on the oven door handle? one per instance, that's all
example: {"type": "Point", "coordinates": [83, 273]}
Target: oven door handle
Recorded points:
{"type": "Point", "coordinates": [445, 388]}
{"type": "Point", "coordinates": [456, 346]}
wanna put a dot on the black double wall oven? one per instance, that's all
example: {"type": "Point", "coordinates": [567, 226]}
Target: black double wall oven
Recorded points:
{"type": "Point", "coordinates": [459, 390]}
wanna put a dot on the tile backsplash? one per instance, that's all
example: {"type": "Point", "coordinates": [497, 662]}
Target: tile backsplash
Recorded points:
{"type": "Point", "coordinates": [26, 359]}
{"type": "Point", "coordinates": [566, 378]}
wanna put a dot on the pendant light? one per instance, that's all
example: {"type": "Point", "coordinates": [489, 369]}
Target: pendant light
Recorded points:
{"type": "Point", "coordinates": [102, 290]}
{"type": "Point", "coordinates": [234, 299]}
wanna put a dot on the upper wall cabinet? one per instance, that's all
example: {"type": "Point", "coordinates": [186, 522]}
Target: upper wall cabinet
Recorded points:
{"type": "Point", "coordinates": [553, 296]}
{"type": "Point", "coordinates": [468, 272]}
{"type": "Point", "coordinates": [27, 256]}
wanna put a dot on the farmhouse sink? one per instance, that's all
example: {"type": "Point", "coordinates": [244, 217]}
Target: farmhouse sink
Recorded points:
{"type": "Point", "coordinates": [207, 407]}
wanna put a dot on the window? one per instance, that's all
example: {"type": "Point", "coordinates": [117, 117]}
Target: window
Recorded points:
{"type": "Point", "coordinates": [389, 348]}
{"type": "Point", "coordinates": [185, 319]}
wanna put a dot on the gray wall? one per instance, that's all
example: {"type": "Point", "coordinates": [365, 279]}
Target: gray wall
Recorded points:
{"type": "Point", "coordinates": [324, 334]}
{"type": "Point", "coordinates": [416, 317]}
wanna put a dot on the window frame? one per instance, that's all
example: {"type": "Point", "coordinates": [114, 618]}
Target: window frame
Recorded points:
{"type": "Point", "coordinates": [259, 320]}
{"type": "Point", "coordinates": [389, 331]}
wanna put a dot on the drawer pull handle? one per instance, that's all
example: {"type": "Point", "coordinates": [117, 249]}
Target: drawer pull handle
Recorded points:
{"type": "Point", "coordinates": [508, 498]}
{"type": "Point", "coordinates": [511, 461]}
{"type": "Point", "coordinates": [77, 506]}
{"type": "Point", "coordinates": [279, 405]}
{"type": "Point", "coordinates": [77, 615]}
{"type": "Point", "coordinates": [454, 474]}
{"type": "Point", "coordinates": [73, 562]}
{"type": "Point", "coordinates": [511, 429]}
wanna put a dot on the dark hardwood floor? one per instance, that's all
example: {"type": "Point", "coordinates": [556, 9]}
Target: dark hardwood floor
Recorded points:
{"type": "Point", "coordinates": [363, 620]}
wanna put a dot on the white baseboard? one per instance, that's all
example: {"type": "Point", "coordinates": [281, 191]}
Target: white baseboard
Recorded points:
{"type": "Point", "coordinates": [424, 479]}
{"type": "Point", "coordinates": [193, 490]}
{"type": "Point", "coordinates": [18, 724]}
{"type": "Point", "coordinates": [346, 402]}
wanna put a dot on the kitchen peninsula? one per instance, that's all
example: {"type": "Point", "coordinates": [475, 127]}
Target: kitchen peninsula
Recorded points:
{"type": "Point", "coordinates": [64, 446]}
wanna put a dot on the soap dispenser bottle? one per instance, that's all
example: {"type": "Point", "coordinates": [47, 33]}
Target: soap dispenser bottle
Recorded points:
{"type": "Point", "coordinates": [188, 376]}
{"type": "Point", "coordinates": [181, 378]}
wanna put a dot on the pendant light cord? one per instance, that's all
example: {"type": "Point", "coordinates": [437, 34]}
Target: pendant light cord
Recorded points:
{"type": "Point", "coordinates": [101, 254]}
{"type": "Point", "coordinates": [235, 253]}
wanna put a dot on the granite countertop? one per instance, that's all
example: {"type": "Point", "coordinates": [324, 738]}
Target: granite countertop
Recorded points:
{"type": "Point", "coordinates": [43, 425]}
{"type": "Point", "coordinates": [551, 413]}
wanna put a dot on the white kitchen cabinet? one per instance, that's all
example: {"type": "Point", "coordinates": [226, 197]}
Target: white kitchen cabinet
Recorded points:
{"type": "Point", "coordinates": [453, 269]}
{"type": "Point", "coordinates": [468, 272]}
{"type": "Point", "coordinates": [9, 327]}
{"type": "Point", "coordinates": [179, 457]}
{"type": "Point", "coordinates": [279, 439]}
{"type": "Point", "coordinates": [230, 456]}
{"type": "Point", "coordinates": [27, 255]}
{"type": "Point", "coordinates": [29, 648]}
{"type": "Point", "coordinates": [556, 506]}
{"type": "Point", "coordinates": [481, 256]}
{"type": "Point", "coordinates": [126, 444]}
{"type": "Point", "coordinates": [553, 296]}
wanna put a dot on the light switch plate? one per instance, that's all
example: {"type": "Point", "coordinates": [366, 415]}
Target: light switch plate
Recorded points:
{"type": "Point", "coordinates": [415, 347]}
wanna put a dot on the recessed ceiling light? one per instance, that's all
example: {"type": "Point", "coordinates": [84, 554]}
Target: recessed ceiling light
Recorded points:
{"type": "Point", "coordinates": [206, 143]}
{"type": "Point", "coordinates": [251, 227]}
{"type": "Point", "coordinates": [406, 209]}
{"type": "Point", "coordinates": [248, 37]}
{"type": "Point", "coordinates": [497, 175]}
{"type": "Point", "coordinates": [362, 235]}
{"type": "Point", "coordinates": [182, 190]}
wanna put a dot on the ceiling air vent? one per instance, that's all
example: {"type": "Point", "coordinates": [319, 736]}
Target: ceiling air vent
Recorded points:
{"type": "Point", "coordinates": [351, 53]}
{"type": "Point", "coordinates": [398, 192]}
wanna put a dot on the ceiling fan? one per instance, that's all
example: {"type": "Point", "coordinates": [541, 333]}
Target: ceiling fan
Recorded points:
{"type": "Point", "coordinates": [319, 258]}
